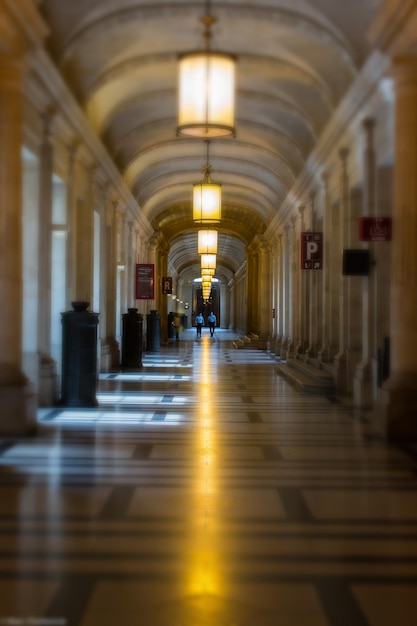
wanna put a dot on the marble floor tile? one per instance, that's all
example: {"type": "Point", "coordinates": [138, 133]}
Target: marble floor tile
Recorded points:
{"type": "Point", "coordinates": [204, 489]}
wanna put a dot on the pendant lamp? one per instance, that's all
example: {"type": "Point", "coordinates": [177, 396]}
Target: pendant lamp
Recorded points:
{"type": "Point", "coordinates": [208, 261]}
{"type": "Point", "coordinates": [207, 198]}
{"type": "Point", "coordinates": [206, 90]}
{"type": "Point", "coordinates": [207, 241]}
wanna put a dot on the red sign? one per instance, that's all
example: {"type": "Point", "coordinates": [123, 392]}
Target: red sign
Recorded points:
{"type": "Point", "coordinates": [167, 284]}
{"type": "Point", "coordinates": [145, 279]}
{"type": "Point", "coordinates": [311, 251]}
{"type": "Point", "coordinates": [375, 229]}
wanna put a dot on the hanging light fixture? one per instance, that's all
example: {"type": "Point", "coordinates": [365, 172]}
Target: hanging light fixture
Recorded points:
{"type": "Point", "coordinates": [207, 198]}
{"type": "Point", "coordinates": [206, 273]}
{"type": "Point", "coordinates": [206, 89]}
{"type": "Point", "coordinates": [208, 261]}
{"type": "Point", "coordinates": [207, 241]}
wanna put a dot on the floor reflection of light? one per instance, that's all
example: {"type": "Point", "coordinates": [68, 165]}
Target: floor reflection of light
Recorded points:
{"type": "Point", "coordinates": [204, 565]}
{"type": "Point", "coordinates": [85, 418]}
{"type": "Point", "coordinates": [111, 398]}
{"type": "Point", "coordinates": [133, 378]}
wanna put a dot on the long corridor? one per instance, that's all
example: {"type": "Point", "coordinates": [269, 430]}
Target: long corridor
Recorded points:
{"type": "Point", "coordinates": [204, 490]}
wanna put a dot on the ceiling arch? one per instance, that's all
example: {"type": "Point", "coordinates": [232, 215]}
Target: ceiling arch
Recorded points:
{"type": "Point", "coordinates": [296, 60]}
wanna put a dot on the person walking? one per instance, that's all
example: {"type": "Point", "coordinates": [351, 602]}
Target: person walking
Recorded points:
{"type": "Point", "coordinates": [212, 323]}
{"type": "Point", "coordinates": [176, 324]}
{"type": "Point", "coordinates": [199, 321]}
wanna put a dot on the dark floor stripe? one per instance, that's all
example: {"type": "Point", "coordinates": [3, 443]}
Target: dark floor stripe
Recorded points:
{"type": "Point", "coordinates": [339, 604]}
{"type": "Point", "coordinates": [70, 602]}
{"type": "Point", "coordinates": [51, 416]}
{"type": "Point", "coordinates": [118, 502]}
{"type": "Point", "coordinates": [247, 399]}
{"type": "Point", "coordinates": [271, 453]}
{"type": "Point", "coordinates": [142, 451]}
{"type": "Point", "coordinates": [254, 417]}
{"type": "Point", "coordinates": [6, 445]}
{"type": "Point", "coordinates": [295, 507]}
{"type": "Point", "coordinates": [159, 416]}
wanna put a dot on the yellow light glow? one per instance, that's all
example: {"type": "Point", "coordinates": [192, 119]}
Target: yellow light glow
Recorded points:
{"type": "Point", "coordinates": [206, 94]}
{"type": "Point", "coordinates": [207, 241]}
{"type": "Point", "coordinates": [208, 261]}
{"type": "Point", "coordinates": [207, 203]}
{"type": "Point", "coordinates": [204, 567]}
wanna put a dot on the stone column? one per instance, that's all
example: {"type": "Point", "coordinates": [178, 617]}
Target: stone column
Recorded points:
{"type": "Point", "coordinates": [399, 403]}
{"type": "Point", "coordinates": [264, 294]}
{"type": "Point", "coordinates": [313, 290]}
{"type": "Point", "coordinates": [17, 396]}
{"type": "Point", "coordinates": [286, 303]}
{"type": "Point", "coordinates": [279, 306]}
{"type": "Point", "coordinates": [71, 215]}
{"type": "Point", "coordinates": [130, 269]}
{"type": "Point", "coordinates": [162, 302]}
{"type": "Point", "coordinates": [295, 284]}
{"type": "Point", "coordinates": [152, 254]}
{"type": "Point", "coordinates": [110, 352]}
{"type": "Point", "coordinates": [326, 288]}
{"type": "Point", "coordinates": [302, 331]}
{"type": "Point", "coordinates": [48, 378]}
{"type": "Point", "coordinates": [362, 386]}
{"type": "Point", "coordinates": [84, 244]}
{"type": "Point", "coordinates": [340, 358]}
{"type": "Point", "coordinates": [122, 255]}
{"type": "Point", "coordinates": [224, 305]}
{"type": "Point", "coordinates": [232, 306]}
{"type": "Point", "coordinates": [252, 278]}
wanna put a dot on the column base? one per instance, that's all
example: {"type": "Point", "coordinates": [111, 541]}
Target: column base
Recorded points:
{"type": "Point", "coordinates": [340, 371]}
{"type": "Point", "coordinates": [18, 408]}
{"type": "Point", "coordinates": [396, 412]}
{"type": "Point", "coordinates": [363, 386]}
{"type": "Point", "coordinates": [109, 355]}
{"type": "Point", "coordinates": [48, 382]}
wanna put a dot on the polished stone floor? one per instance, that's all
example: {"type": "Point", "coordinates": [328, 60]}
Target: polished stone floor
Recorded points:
{"type": "Point", "coordinates": [204, 490]}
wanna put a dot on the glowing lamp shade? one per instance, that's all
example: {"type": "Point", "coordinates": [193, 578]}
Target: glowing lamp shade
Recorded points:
{"type": "Point", "coordinates": [207, 241]}
{"type": "Point", "coordinates": [206, 105]}
{"type": "Point", "coordinates": [207, 202]}
{"type": "Point", "coordinates": [208, 261]}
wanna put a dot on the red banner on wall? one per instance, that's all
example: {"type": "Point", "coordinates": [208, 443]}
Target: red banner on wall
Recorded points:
{"type": "Point", "coordinates": [145, 281]}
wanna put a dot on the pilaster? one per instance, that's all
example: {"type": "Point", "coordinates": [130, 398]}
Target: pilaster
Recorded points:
{"type": "Point", "coordinates": [48, 378]}
{"type": "Point", "coordinates": [264, 293]}
{"type": "Point", "coordinates": [324, 351]}
{"type": "Point", "coordinates": [340, 358]}
{"type": "Point", "coordinates": [363, 383]}
{"type": "Point", "coordinates": [110, 353]}
{"type": "Point", "coordinates": [302, 331]}
{"type": "Point", "coordinates": [17, 396]}
{"type": "Point", "coordinates": [398, 410]}
{"type": "Point", "coordinates": [311, 351]}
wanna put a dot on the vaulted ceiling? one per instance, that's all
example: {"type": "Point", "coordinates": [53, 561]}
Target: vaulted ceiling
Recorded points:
{"type": "Point", "coordinates": [296, 59]}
